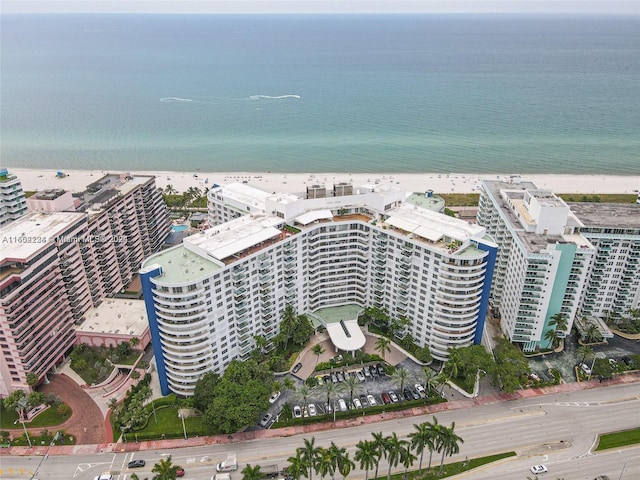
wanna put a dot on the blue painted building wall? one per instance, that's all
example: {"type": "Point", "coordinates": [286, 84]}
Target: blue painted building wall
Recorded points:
{"type": "Point", "coordinates": [147, 287]}
{"type": "Point", "coordinates": [486, 289]}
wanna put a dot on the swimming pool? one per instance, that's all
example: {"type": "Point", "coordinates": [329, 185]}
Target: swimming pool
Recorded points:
{"type": "Point", "coordinates": [178, 228]}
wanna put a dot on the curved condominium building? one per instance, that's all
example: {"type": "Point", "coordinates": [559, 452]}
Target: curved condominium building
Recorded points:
{"type": "Point", "coordinates": [209, 297]}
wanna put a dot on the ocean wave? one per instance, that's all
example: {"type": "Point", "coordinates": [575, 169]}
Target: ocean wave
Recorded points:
{"type": "Point", "coordinates": [269, 97]}
{"type": "Point", "coordinates": [175, 99]}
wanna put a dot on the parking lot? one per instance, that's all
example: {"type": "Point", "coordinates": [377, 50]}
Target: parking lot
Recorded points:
{"type": "Point", "coordinates": [372, 387]}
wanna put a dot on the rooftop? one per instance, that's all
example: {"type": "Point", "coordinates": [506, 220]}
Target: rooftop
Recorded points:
{"type": "Point", "coordinates": [618, 215]}
{"type": "Point", "coordinates": [180, 265]}
{"type": "Point", "coordinates": [116, 316]}
{"type": "Point", "coordinates": [430, 202]}
{"type": "Point", "coordinates": [27, 235]}
{"type": "Point", "coordinates": [244, 193]}
{"type": "Point", "coordinates": [432, 226]}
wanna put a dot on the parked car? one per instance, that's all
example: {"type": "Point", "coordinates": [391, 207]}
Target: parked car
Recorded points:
{"type": "Point", "coordinates": [420, 389]}
{"type": "Point", "coordinates": [319, 380]}
{"type": "Point", "coordinates": [327, 378]}
{"type": "Point", "coordinates": [136, 464]}
{"type": "Point", "coordinates": [374, 372]}
{"type": "Point", "coordinates": [337, 358]}
{"type": "Point", "coordinates": [180, 472]}
{"type": "Point", "coordinates": [342, 404]}
{"type": "Point", "coordinates": [328, 408]}
{"type": "Point", "coordinates": [585, 368]}
{"type": "Point", "coordinates": [386, 398]}
{"type": "Point", "coordinates": [356, 403]}
{"type": "Point", "coordinates": [274, 396]}
{"type": "Point", "coordinates": [414, 394]}
{"type": "Point", "coordinates": [539, 469]}
{"type": "Point", "coordinates": [297, 412]}
{"type": "Point", "coordinates": [367, 373]}
{"type": "Point", "coordinates": [340, 376]}
{"type": "Point", "coordinates": [407, 394]}
{"type": "Point", "coordinates": [334, 378]}
{"type": "Point", "coordinates": [626, 360]}
{"type": "Point", "coordinates": [360, 375]}
{"type": "Point", "coordinates": [372, 400]}
{"type": "Point", "coordinates": [312, 410]}
{"type": "Point", "coordinates": [104, 476]}
{"type": "Point", "coordinates": [364, 401]}
{"type": "Point", "coordinates": [264, 421]}
{"type": "Point", "coordinates": [380, 369]}
{"type": "Point", "coordinates": [297, 367]}
{"type": "Point", "coordinates": [393, 396]}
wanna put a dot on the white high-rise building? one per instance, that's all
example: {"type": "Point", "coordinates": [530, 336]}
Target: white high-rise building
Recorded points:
{"type": "Point", "coordinates": [543, 261]}
{"type": "Point", "coordinates": [614, 281]}
{"type": "Point", "coordinates": [13, 204]}
{"type": "Point", "coordinates": [209, 297]}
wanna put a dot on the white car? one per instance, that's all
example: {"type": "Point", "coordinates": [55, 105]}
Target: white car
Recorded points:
{"type": "Point", "coordinates": [312, 410]}
{"type": "Point", "coordinates": [585, 368]}
{"type": "Point", "coordinates": [343, 405]}
{"type": "Point", "coordinates": [104, 476]}
{"type": "Point", "coordinates": [419, 389]}
{"type": "Point", "coordinates": [360, 375]}
{"type": "Point", "coordinates": [356, 403]}
{"type": "Point", "coordinates": [274, 396]}
{"type": "Point", "coordinates": [371, 400]}
{"type": "Point", "coordinates": [297, 412]}
{"type": "Point", "coordinates": [539, 469]}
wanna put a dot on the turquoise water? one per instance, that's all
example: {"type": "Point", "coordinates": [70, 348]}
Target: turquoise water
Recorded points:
{"type": "Point", "coordinates": [355, 93]}
{"type": "Point", "coordinates": [179, 228]}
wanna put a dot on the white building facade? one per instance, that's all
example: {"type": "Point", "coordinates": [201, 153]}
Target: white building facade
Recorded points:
{"type": "Point", "coordinates": [543, 262]}
{"type": "Point", "coordinates": [13, 204]}
{"type": "Point", "coordinates": [208, 298]}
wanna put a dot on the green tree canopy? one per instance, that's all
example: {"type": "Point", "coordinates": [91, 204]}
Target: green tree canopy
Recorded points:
{"type": "Point", "coordinates": [510, 365]}
{"type": "Point", "coordinates": [242, 394]}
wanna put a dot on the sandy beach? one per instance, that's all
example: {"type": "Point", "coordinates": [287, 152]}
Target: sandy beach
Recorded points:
{"type": "Point", "coordinates": [77, 180]}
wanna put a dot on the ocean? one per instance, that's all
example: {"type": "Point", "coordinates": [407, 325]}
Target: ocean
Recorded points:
{"type": "Point", "coordinates": [322, 93]}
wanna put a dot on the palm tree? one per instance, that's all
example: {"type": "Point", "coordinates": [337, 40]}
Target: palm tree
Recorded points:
{"type": "Point", "coordinates": [329, 389]}
{"type": "Point", "coordinates": [325, 464]}
{"type": "Point", "coordinates": [585, 352]}
{"type": "Point", "coordinates": [382, 345]}
{"type": "Point", "coordinates": [442, 379]}
{"type": "Point", "coordinates": [407, 458]}
{"type": "Point", "coordinates": [170, 190]}
{"type": "Point", "coordinates": [400, 377]}
{"type": "Point", "coordinates": [435, 430]}
{"type": "Point", "coordinates": [303, 392]}
{"type": "Point", "coordinates": [251, 473]}
{"type": "Point", "coordinates": [552, 337]}
{"type": "Point", "coordinates": [345, 465]}
{"type": "Point", "coordinates": [317, 350]}
{"type": "Point", "coordinates": [351, 385]}
{"type": "Point", "coordinates": [165, 470]}
{"type": "Point", "coordinates": [393, 448]}
{"type": "Point", "coordinates": [378, 442]}
{"type": "Point", "coordinates": [422, 438]}
{"type": "Point", "coordinates": [336, 456]}
{"type": "Point", "coordinates": [592, 334]}
{"type": "Point", "coordinates": [449, 443]}
{"type": "Point", "coordinates": [310, 456]}
{"type": "Point", "coordinates": [289, 384]}
{"type": "Point", "coordinates": [559, 321]}
{"type": "Point", "coordinates": [289, 322]}
{"type": "Point", "coordinates": [296, 465]}
{"type": "Point", "coordinates": [430, 380]}
{"type": "Point", "coordinates": [368, 456]}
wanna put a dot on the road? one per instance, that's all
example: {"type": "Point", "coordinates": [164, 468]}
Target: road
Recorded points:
{"type": "Point", "coordinates": [558, 430]}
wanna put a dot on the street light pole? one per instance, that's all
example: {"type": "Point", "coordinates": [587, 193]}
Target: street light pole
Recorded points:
{"type": "Point", "coordinates": [21, 420]}
{"type": "Point", "coordinates": [184, 428]}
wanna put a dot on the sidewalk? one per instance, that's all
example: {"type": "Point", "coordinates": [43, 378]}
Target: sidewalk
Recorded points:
{"type": "Point", "coordinates": [302, 429]}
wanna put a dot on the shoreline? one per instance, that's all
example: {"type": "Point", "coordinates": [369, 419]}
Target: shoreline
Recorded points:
{"type": "Point", "coordinates": [77, 180]}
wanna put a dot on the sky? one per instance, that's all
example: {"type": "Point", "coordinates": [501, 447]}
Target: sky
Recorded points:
{"type": "Point", "coordinates": [625, 7]}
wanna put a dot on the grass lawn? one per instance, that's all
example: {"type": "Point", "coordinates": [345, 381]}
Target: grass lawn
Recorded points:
{"type": "Point", "coordinates": [600, 197]}
{"type": "Point", "coordinates": [448, 470]}
{"type": "Point", "coordinates": [460, 199]}
{"type": "Point", "coordinates": [619, 439]}
{"type": "Point", "coordinates": [49, 418]}
{"type": "Point", "coordinates": [169, 424]}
